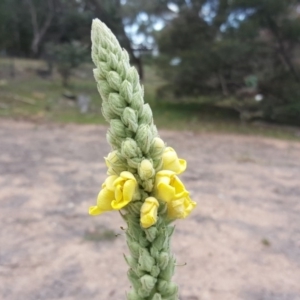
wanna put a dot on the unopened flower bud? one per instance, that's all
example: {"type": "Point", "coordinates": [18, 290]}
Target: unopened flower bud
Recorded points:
{"type": "Point", "coordinates": [116, 103]}
{"type": "Point", "coordinates": [114, 80]}
{"type": "Point", "coordinates": [134, 162]}
{"type": "Point", "coordinates": [104, 89]}
{"type": "Point", "coordinates": [103, 68]}
{"type": "Point", "coordinates": [130, 148]}
{"type": "Point", "coordinates": [149, 212]}
{"type": "Point", "coordinates": [146, 261]}
{"type": "Point", "coordinates": [163, 260]}
{"type": "Point", "coordinates": [132, 76]}
{"type": "Point", "coordinates": [126, 90]}
{"type": "Point", "coordinates": [133, 295]}
{"type": "Point", "coordinates": [129, 118]}
{"type": "Point", "coordinates": [146, 115]}
{"type": "Point", "coordinates": [117, 128]}
{"type": "Point", "coordinates": [148, 282]}
{"type": "Point", "coordinates": [156, 296]}
{"type": "Point", "coordinates": [121, 69]}
{"type": "Point", "coordinates": [125, 56]}
{"type": "Point", "coordinates": [112, 60]}
{"type": "Point", "coordinates": [144, 137]}
{"type": "Point", "coordinates": [137, 102]}
{"type": "Point", "coordinates": [146, 170]}
{"type": "Point", "coordinates": [108, 114]}
{"type": "Point", "coordinates": [157, 148]}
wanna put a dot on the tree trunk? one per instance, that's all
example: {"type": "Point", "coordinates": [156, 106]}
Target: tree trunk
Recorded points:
{"type": "Point", "coordinates": [39, 31]}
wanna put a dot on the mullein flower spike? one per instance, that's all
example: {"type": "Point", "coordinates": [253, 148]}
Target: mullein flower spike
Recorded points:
{"type": "Point", "coordinates": [142, 172]}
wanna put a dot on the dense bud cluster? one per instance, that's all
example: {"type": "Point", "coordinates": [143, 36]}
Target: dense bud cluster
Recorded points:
{"type": "Point", "coordinates": [138, 156]}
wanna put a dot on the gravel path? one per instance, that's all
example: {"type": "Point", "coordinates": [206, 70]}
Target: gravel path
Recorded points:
{"type": "Point", "coordinates": [242, 241]}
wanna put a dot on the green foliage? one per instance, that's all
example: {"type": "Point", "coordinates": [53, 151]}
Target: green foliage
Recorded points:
{"type": "Point", "coordinates": [216, 57]}
{"type": "Point", "coordinates": [67, 57]}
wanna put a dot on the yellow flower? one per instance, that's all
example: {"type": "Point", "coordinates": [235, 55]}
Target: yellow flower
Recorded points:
{"type": "Point", "coordinates": [124, 187]}
{"type": "Point", "coordinates": [105, 197]}
{"type": "Point", "coordinates": [169, 188]}
{"type": "Point", "coordinates": [180, 208]}
{"type": "Point", "coordinates": [115, 194]}
{"type": "Point", "coordinates": [149, 212]}
{"type": "Point", "coordinates": [172, 162]}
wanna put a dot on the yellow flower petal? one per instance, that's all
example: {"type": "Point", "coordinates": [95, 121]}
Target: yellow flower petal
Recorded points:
{"type": "Point", "coordinates": [128, 190]}
{"type": "Point", "coordinates": [125, 187]}
{"type": "Point", "coordinates": [180, 208]}
{"type": "Point", "coordinates": [127, 175]}
{"type": "Point", "coordinates": [109, 182]}
{"type": "Point", "coordinates": [165, 192]}
{"type": "Point", "coordinates": [149, 212]}
{"type": "Point", "coordinates": [172, 162]}
{"type": "Point", "coordinates": [104, 199]}
{"type": "Point", "coordinates": [94, 211]}
{"type": "Point", "coordinates": [168, 186]}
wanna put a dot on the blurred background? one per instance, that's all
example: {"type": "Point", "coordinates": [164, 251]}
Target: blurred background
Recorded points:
{"type": "Point", "coordinates": [223, 80]}
{"type": "Point", "coordinates": [218, 65]}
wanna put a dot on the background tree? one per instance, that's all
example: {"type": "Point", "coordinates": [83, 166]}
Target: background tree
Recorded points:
{"type": "Point", "coordinates": [212, 48]}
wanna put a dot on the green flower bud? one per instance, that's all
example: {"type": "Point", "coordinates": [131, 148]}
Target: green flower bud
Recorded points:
{"type": "Point", "coordinates": [163, 260]}
{"type": "Point", "coordinates": [170, 230]}
{"type": "Point", "coordinates": [129, 118]}
{"type": "Point", "coordinates": [157, 164]}
{"type": "Point", "coordinates": [148, 185]}
{"type": "Point", "coordinates": [146, 115]}
{"type": "Point", "coordinates": [98, 75]}
{"type": "Point", "coordinates": [114, 163]}
{"type": "Point", "coordinates": [112, 60]}
{"type": "Point", "coordinates": [125, 57]}
{"type": "Point", "coordinates": [146, 170]}
{"type": "Point", "coordinates": [104, 89]}
{"type": "Point", "coordinates": [103, 68]}
{"type": "Point", "coordinates": [161, 239]}
{"type": "Point", "coordinates": [133, 279]}
{"type": "Point", "coordinates": [137, 101]}
{"type": "Point", "coordinates": [130, 149]}
{"type": "Point", "coordinates": [134, 162]}
{"type": "Point", "coordinates": [132, 263]}
{"type": "Point", "coordinates": [133, 295]}
{"type": "Point", "coordinates": [113, 140]}
{"type": "Point", "coordinates": [154, 130]}
{"type": "Point", "coordinates": [146, 261]}
{"type": "Point", "coordinates": [155, 271]}
{"type": "Point", "coordinates": [157, 148]}
{"type": "Point", "coordinates": [168, 272]}
{"type": "Point", "coordinates": [121, 69]}
{"type": "Point", "coordinates": [134, 248]}
{"type": "Point", "coordinates": [148, 282]}
{"type": "Point", "coordinates": [154, 252]}
{"type": "Point", "coordinates": [134, 207]}
{"type": "Point", "coordinates": [108, 114]}
{"type": "Point", "coordinates": [143, 241]}
{"type": "Point", "coordinates": [116, 103]}
{"type": "Point", "coordinates": [143, 293]}
{"type": "Point", "coordinates": [114, 80]}
{"type": "Point", "coordinates": [102, 54]}
{"type": "Point", "coordinates": [133, 76]}
{"type": "Point", "coordinates": [144, 138]}
{"type": "Point", "coordinates": [117, 128]}
{"type": "Point", "coordinates": [151, 233]}
{"type": "Point", "coordinates": [126, 91]}
{"type": "Point", "coordinates": [167, 288]}
{"type": "Point", "coordinates": [156, 297]}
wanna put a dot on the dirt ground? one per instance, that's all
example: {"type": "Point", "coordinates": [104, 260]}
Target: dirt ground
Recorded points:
{"type": "Point", "coordinates": [241, 242]}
